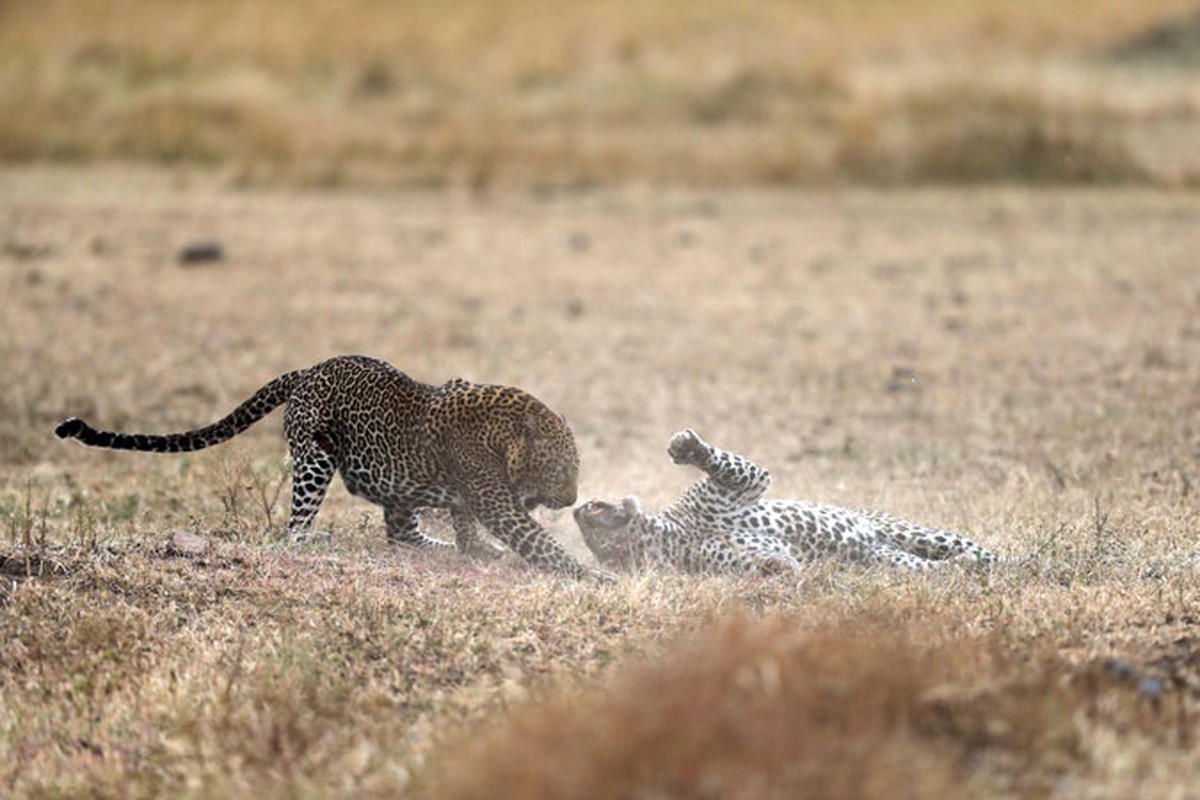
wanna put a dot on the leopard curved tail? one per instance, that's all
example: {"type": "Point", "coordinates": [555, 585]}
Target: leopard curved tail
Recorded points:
{"type": "Point", "coordinates": [263, 402]}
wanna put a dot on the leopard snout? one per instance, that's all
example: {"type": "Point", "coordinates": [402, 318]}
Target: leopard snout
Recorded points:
{"type": "Point", "coordinates": [531, 501]}
{"type": "Point", "coordinates": [564, 499]}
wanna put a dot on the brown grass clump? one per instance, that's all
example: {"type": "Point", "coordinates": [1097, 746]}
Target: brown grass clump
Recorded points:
{"type": "Point", "coordinates": [967, 134]}
{"type": "Point", "coordinates": [749, 710]}
{"type": "Point", "coordinates": [767, 709]}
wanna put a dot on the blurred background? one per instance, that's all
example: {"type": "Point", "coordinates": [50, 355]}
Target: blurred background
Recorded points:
{"type": "Point", "coordinates": [529, 93]}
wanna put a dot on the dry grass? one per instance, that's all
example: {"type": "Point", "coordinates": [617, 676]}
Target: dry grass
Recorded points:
{"type": "Point", "coordinates": [1018, 365]}
{"type": "Point", "coordinates": [486, 94]}
{"type": "Point", "coordinates": [973, 134]}
{"type": "Point", "coordinates": [900, 707]}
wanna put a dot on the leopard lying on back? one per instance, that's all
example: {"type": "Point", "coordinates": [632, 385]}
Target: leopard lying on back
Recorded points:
{"type": "Point", "coordinates": [723, 524]}
{"type": "Point", "coordinates": [488, 453]}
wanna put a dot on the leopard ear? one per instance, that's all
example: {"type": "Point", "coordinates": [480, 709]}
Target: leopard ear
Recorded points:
{"type": "Point", "coordinates": [530, 425]}
{"type": "Point", "coordinates": [631, 506]}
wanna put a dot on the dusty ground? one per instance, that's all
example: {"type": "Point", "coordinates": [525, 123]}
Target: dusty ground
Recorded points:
{"type": "Point", "coordinates": [1018, 365]}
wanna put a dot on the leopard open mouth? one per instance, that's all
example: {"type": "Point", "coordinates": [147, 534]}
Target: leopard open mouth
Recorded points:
{"type": "Point", "coordinates": [592, 508]}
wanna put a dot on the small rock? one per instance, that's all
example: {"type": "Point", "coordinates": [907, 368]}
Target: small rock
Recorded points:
{"type": "Point", "coordinates": [686, 239]}
{"type": "Point", "coordinates": [903, 379]}
{"type": "Point", "coordinates": [188, 544]}
{"type": "Point", "coordinates": [201, 251]}
{"type": "Point", "coordinates": [579, 241]}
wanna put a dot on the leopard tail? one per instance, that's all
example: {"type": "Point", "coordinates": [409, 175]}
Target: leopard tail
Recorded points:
{"type": "Point", "coordinates": [263, 402]}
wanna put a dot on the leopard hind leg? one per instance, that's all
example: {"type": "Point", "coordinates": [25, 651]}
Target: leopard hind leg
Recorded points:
{"type": "Point", "coordinates": [883, 553]}
{"type": "Point", "coordinates": [314, 462]}
{"type": "Point", "coordinates": [928, 543]}
{"type": "Point", "coordinates": [312, 473]}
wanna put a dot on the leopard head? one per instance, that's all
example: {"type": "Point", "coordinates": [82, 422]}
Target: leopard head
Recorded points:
{"type": "Point", "coordinates": [505, 433]}
{"type": "Point", "coordinates": [542, 461]}
{"type": "Point", "coordinates": [609, 532]}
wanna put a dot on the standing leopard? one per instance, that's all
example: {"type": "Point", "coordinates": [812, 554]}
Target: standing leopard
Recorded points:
{"type": "Point", "coordinates": [487, 453]}
{"type": "Point", "coordinates": [723, 524]}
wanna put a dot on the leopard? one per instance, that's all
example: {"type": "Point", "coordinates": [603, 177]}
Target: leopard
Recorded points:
{"type": "Point", "coordinates": [722, 524]}
{"type": "Point", "coordinates": [489, 454]}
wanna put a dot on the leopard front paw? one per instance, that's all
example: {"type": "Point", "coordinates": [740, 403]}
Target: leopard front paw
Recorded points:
{"type": "Point", "coordinates": [601, 577]}
{"type": "Point", "coordinates": [686, 447]}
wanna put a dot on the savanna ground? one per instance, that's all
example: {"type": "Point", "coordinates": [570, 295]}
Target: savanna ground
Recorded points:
{"type": "Point", "coordinates": [1014, 358]}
